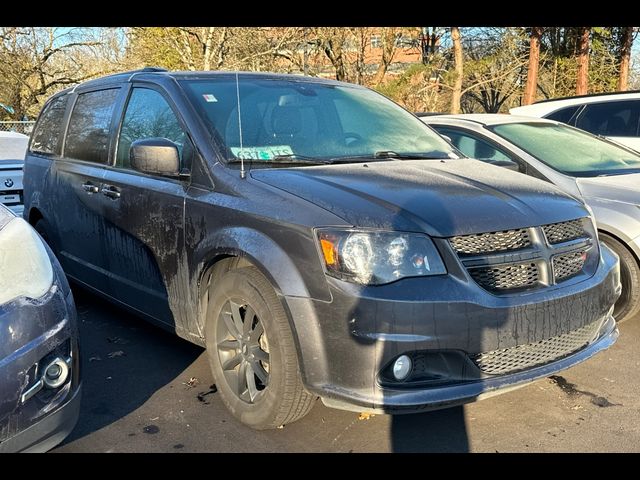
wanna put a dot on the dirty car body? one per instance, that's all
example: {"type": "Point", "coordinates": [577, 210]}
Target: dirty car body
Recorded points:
{"type": "Point", "coordinates": [39, 375]}
{"type": "Point", "coordinates": [280, 174]}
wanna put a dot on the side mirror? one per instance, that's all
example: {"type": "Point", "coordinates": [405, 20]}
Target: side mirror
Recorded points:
{"type": "Point", "coordinates": [158, 156]}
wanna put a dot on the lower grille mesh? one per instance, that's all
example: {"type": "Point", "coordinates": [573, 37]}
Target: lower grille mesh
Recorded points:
{"type": "Point", "coordinates": [506, 277]}
{"type": "Point", "coordinates": [569, 264]}
{"type": "Point", "coordinates": [509, 360]}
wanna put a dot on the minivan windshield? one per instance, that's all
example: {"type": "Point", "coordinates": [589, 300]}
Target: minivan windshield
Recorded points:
{"type": "Point", "coordinates": [570, 150]}
{"type": "Point", "coordinates": [300, 121]}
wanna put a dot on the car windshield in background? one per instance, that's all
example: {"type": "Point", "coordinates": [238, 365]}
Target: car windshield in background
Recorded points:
{"type": "Point", "coordinates": [289, 121]}
{"type": "Point", "coordinates": [569, 150]}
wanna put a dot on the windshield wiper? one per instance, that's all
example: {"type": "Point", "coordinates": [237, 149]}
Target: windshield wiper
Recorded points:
{"type": "Point", "coordinates": [411, 156]}
{"type": "Point", "coordinates": [290, 158]}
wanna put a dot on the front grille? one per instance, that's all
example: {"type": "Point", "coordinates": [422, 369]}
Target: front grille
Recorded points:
{"type": "Point", "coordinates": [526, 258]}
{"type": "Point", "coordinates": [510, 360]}
{"type": "Point", "coordinates": [568, 265]}
{"type": "Point", "coordinates": [507, 277]}
{"type": "Point", "coordinates": [491, 242]}
{"type": "Point", "coordinates": [564, 231]}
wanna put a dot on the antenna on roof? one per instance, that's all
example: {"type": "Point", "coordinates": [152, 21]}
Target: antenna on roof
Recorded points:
{"type": "Point", "coordinates": [243, 174]}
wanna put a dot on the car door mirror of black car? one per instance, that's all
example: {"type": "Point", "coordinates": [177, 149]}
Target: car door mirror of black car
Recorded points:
{"type": "Point", "coordinates": [156, 156]}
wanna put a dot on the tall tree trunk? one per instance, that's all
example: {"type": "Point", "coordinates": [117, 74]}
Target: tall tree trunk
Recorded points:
{"type": "Point", "coordinates": [534, 62]}
{"type": "Point", "coordinates": [625, 56]}
{"type": "Point", "coordinates": [388, 51]}
{"type": "Point", "coordinates": [582, 80]}
{"type": "Point", "coordinates": [458, 68]}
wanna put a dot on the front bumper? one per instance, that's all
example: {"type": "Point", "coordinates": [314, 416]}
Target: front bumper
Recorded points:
{"type": "Point", "coordinates": [17, 209]}
{"type": "Point", "coordinates": [347, 344]}
{"type": "Point", "coordinates": [33, 332]}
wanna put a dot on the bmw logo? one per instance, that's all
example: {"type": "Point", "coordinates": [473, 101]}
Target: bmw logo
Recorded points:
{"type": "Point", "coordinates": [8, 183]}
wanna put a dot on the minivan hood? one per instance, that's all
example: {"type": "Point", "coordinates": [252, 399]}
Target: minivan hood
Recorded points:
{"type": "Point", "coordinates": [438, 197]}
{"type": "Point", "coordinates": [616, 188]}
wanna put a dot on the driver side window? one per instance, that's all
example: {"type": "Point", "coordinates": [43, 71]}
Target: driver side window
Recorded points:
{"type": "Point", "coordinates": [148, 115]}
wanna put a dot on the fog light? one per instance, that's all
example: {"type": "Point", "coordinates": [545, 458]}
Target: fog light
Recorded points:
{"type": "Point", "coordinates": [56, 373]}
{"type": "Point", "coordinates": [402, 367]}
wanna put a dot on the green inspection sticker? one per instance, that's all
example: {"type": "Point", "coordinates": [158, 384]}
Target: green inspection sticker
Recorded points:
{"type": "Point", "coordinates": [261, 153]}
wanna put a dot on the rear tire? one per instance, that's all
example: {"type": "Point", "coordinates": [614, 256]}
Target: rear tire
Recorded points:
{"type": "Point", "coordinates": [41, 226]}
{"type": "Point", "coordinates": [628, 305]}
{"type": "Point", "coordinates": [252, 353]}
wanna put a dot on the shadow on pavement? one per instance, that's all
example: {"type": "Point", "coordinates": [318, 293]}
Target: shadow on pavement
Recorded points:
{"type": "Point", "coordinates": [438, 431]}
{"type": "Point", "coordinates": [124, 361]}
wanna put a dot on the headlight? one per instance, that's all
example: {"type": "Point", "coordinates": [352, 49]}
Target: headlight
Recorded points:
{"type": "Point", "coordinates": [25, 267]}
{"type": "Point", "coordinates": [378, 257]}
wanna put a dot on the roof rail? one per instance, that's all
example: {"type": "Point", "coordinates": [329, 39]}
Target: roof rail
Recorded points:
{"type": "Point", "coordinates": [145, 70]}
{"type": "Point", "coordinates": [130, 73]}
{"type": "Point", "coordinates": [586, 96]}
{"type": "Point", "coordinates": [153, 69]}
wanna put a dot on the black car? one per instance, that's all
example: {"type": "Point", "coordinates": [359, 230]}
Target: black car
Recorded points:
{"type": "Point", "coordinates": [318, 239]}
{"type": "Point", "coordinates": [39, 375]}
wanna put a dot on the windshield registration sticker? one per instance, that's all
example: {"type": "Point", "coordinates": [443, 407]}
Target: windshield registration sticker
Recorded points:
{"type": "Point", "coordinates": [261, 153]}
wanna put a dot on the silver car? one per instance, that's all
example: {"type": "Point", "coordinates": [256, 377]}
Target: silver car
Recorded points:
{"type": "Point", "coordinates": [13, 147]}
{"type": "Point", "coordinates": [604, 174]}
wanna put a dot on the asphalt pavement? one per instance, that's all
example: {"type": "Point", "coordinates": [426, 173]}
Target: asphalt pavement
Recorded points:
{"type": "Point", "coordinates": [146, 390]}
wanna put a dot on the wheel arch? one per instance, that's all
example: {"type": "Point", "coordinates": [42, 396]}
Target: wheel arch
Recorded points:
{"type": "Point", "coordinates": [242, 247]}
{"type": "Point", "coordinates": [622, 241]}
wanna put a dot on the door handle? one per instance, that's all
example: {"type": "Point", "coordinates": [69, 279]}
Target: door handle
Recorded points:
{"type": "Point", "coordinates": [90, 187]}
{"type": "Point", "coordinates": [110, 191]}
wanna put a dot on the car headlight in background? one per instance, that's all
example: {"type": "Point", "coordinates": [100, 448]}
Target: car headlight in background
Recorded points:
{"type": "Point", "coordinates": [378, 257]}
{"type": "Point", "coordinates": [25, 267]}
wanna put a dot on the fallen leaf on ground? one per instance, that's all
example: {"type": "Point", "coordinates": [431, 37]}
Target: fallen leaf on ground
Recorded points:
{"type": "Point", "coordinates": [193, 381]}
{"type": "Point", "coordinates": [94, 359]}
{"type": "Point", "coordinates": [117, 353]}
{"type": "Point", "coordinates": [365, 416]}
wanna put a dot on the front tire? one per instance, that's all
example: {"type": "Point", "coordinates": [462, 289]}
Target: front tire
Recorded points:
{"type": "Point", "coordinates": [252, 353]}
{"type": "Point", "coordinates": [628, 305]}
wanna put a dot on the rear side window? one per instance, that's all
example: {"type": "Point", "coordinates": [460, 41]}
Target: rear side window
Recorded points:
{"type": "Point", "coordinates": [148, 115]}
{"type": "Point", "coordinates": [47, 134]}
{"type": "Point", "coordinates": [88, 133]}
{"type": "Point", "coordinates": [614, 119]}
{"type": "Point", "coordinates": [564, 115]}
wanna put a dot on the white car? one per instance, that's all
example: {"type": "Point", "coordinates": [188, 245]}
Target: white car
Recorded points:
{"type": "Point", "coordinates": [612, 115]}
{"type": "Point", "coordinates": [603, 174]}
{"type": "Point", "coordinates": [13, 147]}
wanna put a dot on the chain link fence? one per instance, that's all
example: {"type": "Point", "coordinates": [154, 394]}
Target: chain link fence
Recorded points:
{"type": "Point", "coordinates": [15, 126]}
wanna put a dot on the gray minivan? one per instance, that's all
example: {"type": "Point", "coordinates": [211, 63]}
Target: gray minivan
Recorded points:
{"type": "Point", "coordinates": [318, 239]}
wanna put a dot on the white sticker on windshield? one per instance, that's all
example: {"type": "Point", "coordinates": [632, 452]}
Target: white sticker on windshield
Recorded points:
{"type": "Point", "coordinates": [261, 153]}
{"type": "Point", "coordinates": [209, 97]}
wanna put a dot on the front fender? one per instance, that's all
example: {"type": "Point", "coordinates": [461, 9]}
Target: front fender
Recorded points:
{"type": "Point", "coordinates": [263, 252]}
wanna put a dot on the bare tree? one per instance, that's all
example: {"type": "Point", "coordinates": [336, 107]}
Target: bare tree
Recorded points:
{"type": "Point", "coordinates": [36, 62]}
{"type": "Point", "coordinates": [332, 41]}
{"type": "Point", "coordinates": [458, 70]}
{"type": "Point", "coordinates": [582, 80]}
{"type": "Point", "coordinates": [362, 36]}
{"type": "Point", "coordinates": [388, 39]}
{"type": "Point", "coordinates": [626, 41]}
{"type": "Point", "coordinates": [534, 61]}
